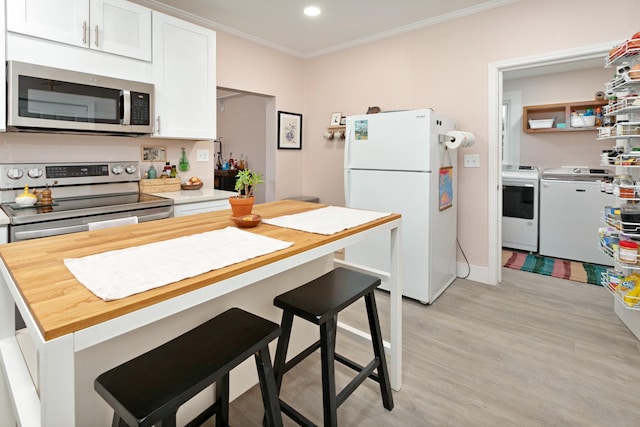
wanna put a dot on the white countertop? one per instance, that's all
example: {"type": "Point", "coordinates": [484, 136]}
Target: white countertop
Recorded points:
{"type": "Point", "coordinates": [194, 196]}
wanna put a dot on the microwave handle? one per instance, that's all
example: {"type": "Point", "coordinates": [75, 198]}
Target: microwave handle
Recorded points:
{"type": "Point", "coordinates": [126, 110]}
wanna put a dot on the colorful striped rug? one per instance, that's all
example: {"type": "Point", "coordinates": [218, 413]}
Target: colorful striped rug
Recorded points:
{"type": "Point", "coordinates": [555, 267]}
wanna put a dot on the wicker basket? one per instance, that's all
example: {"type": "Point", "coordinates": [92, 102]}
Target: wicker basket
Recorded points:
{"type": "Point", "coordinates": [159, 185]}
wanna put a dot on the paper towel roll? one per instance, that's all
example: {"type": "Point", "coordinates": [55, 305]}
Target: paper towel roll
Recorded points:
{"type": "Point", "coordinates": [459, 139]}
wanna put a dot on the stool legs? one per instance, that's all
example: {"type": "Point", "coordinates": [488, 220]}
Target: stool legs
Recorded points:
{"type": "Point", "coordinates": [378, 349]}
{"type": "Point", "coordinates": [327, 344]}
{"type": "Point", "coordinates": [327, 355]}
{"type": "Point", "coordinates": [222, 396]}
{"type": "Point", "coordinates": [268, 388]}
{"type": "Point", "coordinates": [283, 345]}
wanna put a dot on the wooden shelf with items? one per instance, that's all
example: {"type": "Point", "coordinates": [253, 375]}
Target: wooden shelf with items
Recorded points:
{"type": "Point", "coordinates": [560, 113]}
{"type": "Point", "coordinates": [335, 131]}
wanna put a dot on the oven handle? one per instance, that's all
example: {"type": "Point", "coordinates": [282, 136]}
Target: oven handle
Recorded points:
{"type": "Point", "coordinates": [508, 184]}
{"type": "Point", "coordinates": [56, 231]}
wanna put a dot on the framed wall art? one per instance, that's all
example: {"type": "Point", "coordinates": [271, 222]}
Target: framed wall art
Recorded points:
{"type": "Point", "coordinates": [289, 130]}
{"type": "Point", "coordinates": [335, 119]}
{"type": "Point", "coordinates": [154, 154]}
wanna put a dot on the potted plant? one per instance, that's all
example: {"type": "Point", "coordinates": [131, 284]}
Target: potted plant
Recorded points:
{"type": "Point", "coordinates": [242, 203]}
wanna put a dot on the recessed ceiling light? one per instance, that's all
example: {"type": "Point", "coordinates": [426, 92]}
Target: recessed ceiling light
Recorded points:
{"type": "Point", "coordinates": [312, 11]}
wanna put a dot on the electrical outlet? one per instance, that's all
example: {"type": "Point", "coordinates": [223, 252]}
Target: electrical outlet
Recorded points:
{"type": "Point", "coordinates": [202, 155]}
{"type": "Point", "coordinates": [472, 160]}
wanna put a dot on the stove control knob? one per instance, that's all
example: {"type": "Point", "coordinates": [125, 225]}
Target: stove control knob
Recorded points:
{"type": "Point", "coordinates": [131, 169]}
{"type": "Point", "coordinates": [117, 170]}
{"type": "Point", "coordinates": [34, 173]}
{"type": "Point", "coordinates": [15, 173]}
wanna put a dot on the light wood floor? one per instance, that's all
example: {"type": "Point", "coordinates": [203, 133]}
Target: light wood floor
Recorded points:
{"type": "Point", "coordinates": [533, 351]}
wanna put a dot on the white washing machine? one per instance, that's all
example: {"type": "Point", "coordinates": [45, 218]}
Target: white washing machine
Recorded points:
{"type": "Point", "coordinates": [571, 206]}
{"type": "Point", "coordinates": [520, 188]}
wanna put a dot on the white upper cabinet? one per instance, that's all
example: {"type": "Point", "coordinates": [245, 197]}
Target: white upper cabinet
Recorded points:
{"type": "Point", "coordinates": [184, 74]}
{"type": "Point", "coordinates": [112, 26]}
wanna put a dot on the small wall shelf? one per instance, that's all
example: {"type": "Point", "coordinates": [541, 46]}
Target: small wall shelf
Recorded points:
{"type": "Point", "coordinates": [562, 113]}
{"type": "Point", "coordinates": [333, 130]}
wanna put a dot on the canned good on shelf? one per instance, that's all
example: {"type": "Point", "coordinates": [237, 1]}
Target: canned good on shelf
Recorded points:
{"type": "Point", "coordinates": [628, 252]}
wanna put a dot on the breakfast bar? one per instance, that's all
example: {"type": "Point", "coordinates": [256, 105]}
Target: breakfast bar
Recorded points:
{"type": "Point", "coordinates": [69, 326]}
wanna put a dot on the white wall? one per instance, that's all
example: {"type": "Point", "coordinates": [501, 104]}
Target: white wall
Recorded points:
{"type": "Point", "coordinates": [445, 67]}
{"type": "Point", "coordinates": [547, 150]}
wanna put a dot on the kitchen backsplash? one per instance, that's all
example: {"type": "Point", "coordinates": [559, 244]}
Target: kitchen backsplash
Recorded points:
{"type": "Point", "coordinates": [39, 147]}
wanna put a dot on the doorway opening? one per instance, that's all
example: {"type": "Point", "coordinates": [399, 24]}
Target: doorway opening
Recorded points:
{"type": "Point", "coordinates": [246, 130]}
{"type": "Point", "coordinates": [532, 65]}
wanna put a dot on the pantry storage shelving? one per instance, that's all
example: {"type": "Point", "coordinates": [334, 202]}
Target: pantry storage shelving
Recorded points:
{"type": "Point", "coordinates": [622, 231]}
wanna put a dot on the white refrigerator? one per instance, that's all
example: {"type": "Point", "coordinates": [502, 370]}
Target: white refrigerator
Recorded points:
{"type": "Point", "coordinates": [394, 162]}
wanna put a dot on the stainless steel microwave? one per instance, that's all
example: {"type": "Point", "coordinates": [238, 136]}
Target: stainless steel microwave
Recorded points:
{"type": "Point", "coordinates": [51, 99]}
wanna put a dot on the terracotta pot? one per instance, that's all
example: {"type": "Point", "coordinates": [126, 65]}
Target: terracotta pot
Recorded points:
{"type": "Point", "coordinates": [241, 205]}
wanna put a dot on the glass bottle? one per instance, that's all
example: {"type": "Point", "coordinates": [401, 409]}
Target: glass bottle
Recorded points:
{"type": "Point", "coordinates": [174, 172]}
{"type": "Point", "coordinates": [184, 161]}
{"type": "Point", "coordinates": [151, 173]}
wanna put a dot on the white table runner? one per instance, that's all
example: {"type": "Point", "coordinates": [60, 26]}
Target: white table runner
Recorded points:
{"type": "Point", "coordinates": [329, 220]}
{"type": "Point", "coordinates": [121, 273]}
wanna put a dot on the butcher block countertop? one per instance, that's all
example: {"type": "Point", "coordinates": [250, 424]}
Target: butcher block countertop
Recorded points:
{"type": "Point", "coordinates": [61, 305]}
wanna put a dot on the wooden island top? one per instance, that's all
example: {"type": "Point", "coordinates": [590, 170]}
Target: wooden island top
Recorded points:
{"type": "Point", "coordinates": [60, 305]}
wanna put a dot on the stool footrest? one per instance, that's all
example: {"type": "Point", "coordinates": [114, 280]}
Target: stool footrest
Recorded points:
{"type": "Point", "coordinates": [205, 415]}
{"type": "Point", "coordinates": [356, 367]}
{"type": "Point", "coordinates": [355, 382]}
{"type": "Point", "coordinates": [301, 356]}
{"type": "Point", "coordinates": [296, 416]}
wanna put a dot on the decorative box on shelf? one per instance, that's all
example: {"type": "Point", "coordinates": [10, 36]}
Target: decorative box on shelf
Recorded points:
{"type": "Point", "coordinates": [159, 185]}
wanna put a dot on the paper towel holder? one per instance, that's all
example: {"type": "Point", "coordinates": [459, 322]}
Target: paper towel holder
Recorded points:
{"type": "Point", "coordinates": [444, 138]}
{"type": "Point", "coordinates": [457, 139]}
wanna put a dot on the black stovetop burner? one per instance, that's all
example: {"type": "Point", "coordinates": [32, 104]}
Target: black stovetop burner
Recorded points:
{"type": "Point", "coordinates": [74, 207]}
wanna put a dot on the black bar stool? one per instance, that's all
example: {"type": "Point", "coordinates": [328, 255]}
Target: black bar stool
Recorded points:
{"type": "Point", "coordinates": [319, 302]}
{"type": "Point", "coordinates": [149, 389]}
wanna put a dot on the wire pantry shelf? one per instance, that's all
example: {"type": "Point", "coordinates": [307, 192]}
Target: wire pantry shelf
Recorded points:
{"type": "Point", "coordinates": [620, 130]}
{"type": "Point", "coordinates": [612, 250]}
{"type": "Point", "coordinates": [619, 291]}
{"type": "Point", "coordinates": [623, 52]}
{"type": "Point", "coordinates": [623, 106]}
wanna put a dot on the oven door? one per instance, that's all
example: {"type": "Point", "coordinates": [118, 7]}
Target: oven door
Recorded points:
{"type": "Point", "coordinates": [73, 225]}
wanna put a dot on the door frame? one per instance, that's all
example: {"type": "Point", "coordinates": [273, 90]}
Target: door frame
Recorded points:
{"type": "Point", "coordinates": [496, 71]}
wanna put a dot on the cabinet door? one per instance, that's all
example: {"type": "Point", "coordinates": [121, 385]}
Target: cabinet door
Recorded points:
{"type": "Point", "coordinates": [63, 21]}
{"type": "Point", "coordinates": [120, 27]}
{"type": "Point", "coordinates": [184, 75]}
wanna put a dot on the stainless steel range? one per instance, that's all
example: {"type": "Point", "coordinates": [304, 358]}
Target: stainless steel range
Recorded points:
{"type": "Point", "coordinates": [84, 194]}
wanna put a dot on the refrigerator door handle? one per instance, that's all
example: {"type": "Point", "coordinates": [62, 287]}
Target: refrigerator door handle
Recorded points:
{"type": "Point", "coordinates": [347, 148]}
{"type": "Point", "coordinates": [347, 196]}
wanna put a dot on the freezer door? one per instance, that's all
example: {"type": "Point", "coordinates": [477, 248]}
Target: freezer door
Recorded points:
{"type": "Point", "coordinates": [428, 235]}
{"type": "Point", "coordinates": [389, 141]}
